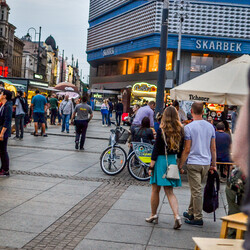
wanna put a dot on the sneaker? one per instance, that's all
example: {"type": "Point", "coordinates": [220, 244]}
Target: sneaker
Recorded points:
{"type": "Point", "coordinates": [82, 148]}
{"type": "Point", "coordinates": [103, 125]}
{"type": "Point", "coordinates": [15, 138]}
{"type": "Point", "coordinates": [21, 138]}
{"type": "Point", "coordinates": [194, 222]}
{"type": "Point", "coordinates": [4, 173]}
{"type": "Point", "coordinates": [188, 216]}
{"type": "Point", "coordinates": [67, 132]}
{"type": "Point", "coordinates": [76, 146]}
{"type": "Point", "coordinates": [45, 135]}
{"type": "Point", "coordinates": [35, 134]}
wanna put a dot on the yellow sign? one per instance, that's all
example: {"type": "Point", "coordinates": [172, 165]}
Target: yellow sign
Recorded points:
{"type": "Point", "coordinates": [144, 89]}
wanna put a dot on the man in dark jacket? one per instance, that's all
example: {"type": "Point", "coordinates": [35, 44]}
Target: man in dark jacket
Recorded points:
{"type": "Point", "coordinates": [118, 112]}
{"type": "Point", "coordinates": [5, 129]}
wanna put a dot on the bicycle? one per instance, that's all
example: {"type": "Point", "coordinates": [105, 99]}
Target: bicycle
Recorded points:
{"type": "Point", "coordinates": [114, 158]}
{"type": "Point", "coordinates": [139, 160]}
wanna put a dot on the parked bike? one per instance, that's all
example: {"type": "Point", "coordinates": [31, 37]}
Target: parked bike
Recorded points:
{"type": "Point", "coordinates": [114, 158]}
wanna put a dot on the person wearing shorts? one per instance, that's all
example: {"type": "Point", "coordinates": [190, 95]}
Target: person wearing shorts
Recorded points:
{"type": "Point", "coordinates": [39, 105]}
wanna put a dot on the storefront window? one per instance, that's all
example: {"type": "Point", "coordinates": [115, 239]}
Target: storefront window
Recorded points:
{"type": "Point", "coordinates": [154, 62]}
{"type": "Point", "coordinates": [112, 69]}
{"type": "Point", "coordinates": [201, 62]}
{"type": "Point", "coordinates": [137, 65]}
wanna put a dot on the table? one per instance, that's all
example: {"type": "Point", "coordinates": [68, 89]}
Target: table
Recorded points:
{"type": "Point", "coordinates": [217, 244]}
{"type": "Point", "coordinates": [237, 221]}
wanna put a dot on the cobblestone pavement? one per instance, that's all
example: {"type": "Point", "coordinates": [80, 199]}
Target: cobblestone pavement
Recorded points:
{"type": "Point", "coordinates": [58, 198]}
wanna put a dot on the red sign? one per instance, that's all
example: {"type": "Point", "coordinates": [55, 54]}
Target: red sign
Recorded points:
{"type": "Point", "coordinates": [4, 71]}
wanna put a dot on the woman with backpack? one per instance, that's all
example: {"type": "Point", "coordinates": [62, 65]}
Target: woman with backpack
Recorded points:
{"type": "Point", "coordinates": [170, 139]}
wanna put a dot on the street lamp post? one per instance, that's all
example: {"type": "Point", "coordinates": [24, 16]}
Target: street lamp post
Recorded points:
{"type": "Point", "coordinates": [181, 7]}
{"type": "Point", "coordinates": [39, 40]}
{"type": "Point", "coordinates": [161, 79]}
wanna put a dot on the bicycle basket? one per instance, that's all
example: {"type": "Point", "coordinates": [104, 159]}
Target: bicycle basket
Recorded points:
{"type": "Point", "coordinates": [122, 136]}
{"type": "Point", "coordinates": [143, 151]}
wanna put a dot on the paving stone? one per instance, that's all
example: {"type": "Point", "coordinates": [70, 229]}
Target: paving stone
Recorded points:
{"type": "Point", "coordinates": [100, 245]}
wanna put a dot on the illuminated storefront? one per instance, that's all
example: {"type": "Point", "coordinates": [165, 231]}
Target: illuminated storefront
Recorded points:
{"type": "Point", "coordinates": [124, 40]}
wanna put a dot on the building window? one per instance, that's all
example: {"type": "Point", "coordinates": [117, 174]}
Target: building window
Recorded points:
{"type": "Point", "coordinates": [154, 62]}
{"type": "Point", "coordinates": [112, 69]}
{"type": "Point", "coordinates": [1, 31]}
{"type": "Point", "coordinates": [137, 65]}
{"type": "Point", "coordinates": [2, 15]}
{"type": "Point", "coordinates": [201, 62]}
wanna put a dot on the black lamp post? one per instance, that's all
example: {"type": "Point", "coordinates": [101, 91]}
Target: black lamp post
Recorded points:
{"type": "Point", "coordinates": [161, 79]}
{"type": "Point", "coordinates": [28, 38]}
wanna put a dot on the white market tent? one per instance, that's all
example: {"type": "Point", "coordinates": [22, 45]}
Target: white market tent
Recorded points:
{"type": "Point", "coordinates": [226, 84]}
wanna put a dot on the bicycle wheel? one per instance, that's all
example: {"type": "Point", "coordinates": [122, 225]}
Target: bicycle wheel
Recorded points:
{"type": "Point", "coordinates": [113, 160]}
{"type": "Point", "coordinates": [137, 169]}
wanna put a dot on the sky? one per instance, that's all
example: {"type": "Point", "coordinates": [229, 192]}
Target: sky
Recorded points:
{"type": "Point", "coordinates": [65, 20]}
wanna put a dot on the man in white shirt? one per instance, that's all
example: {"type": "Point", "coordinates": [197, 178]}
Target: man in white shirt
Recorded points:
{"type": "Point", "coordinates": [199, 149]}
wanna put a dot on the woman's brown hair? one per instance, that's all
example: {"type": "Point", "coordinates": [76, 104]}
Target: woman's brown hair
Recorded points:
{"type": "Point", "coordinates": [172, 127]}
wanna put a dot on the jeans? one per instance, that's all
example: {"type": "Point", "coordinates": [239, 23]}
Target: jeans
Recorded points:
{"type": "Point", "coordinates": [4, 155]}
{"type": "Point", "coordinates": [59, 118]}
{"type": "Point", "coordinates": [19, 122]}
{"type": "Point", "coordinates": [53, 116]}
{"type": "Point", "coordinates": [105, 119]}
{"type": "Point", "coordinates": [65, 122]}
{"type": "Point", "coordinates": [81, 129]}
{"type": "Point", "coordinates": [109, 117]}
{"type": "Point", "coordinates": [118, 117]}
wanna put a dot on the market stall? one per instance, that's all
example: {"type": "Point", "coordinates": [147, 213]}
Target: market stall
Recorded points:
{"type": "Point", "coordinates": [226, 84]}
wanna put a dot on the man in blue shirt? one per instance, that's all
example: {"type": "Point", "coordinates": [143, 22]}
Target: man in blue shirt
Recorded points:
{"type": "Point", "coordinates": [223, 144]}
{"type": "Point", "coordinates": [199, 149]}
{"type": "Point", "coordinates": [39, 106]}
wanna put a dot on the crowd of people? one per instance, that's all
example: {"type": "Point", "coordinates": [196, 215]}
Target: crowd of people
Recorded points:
{"type": "Point", "coordinates": [196, 145]}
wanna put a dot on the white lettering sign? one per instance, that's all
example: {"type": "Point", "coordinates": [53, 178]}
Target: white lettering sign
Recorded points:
{"type": "Point", "coordinates": [216, 45]}
{"type": "Point", "coordinates": [108, 51]}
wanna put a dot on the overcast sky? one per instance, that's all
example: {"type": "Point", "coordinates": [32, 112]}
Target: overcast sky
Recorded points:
{"type": "Point", "coordinates": [66, 21]}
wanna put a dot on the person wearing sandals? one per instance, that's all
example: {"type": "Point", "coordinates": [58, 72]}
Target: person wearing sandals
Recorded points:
{"type": "Point", "coordinates": [169, 135]}
{"type": "Point", "coordinates": [39, 106]}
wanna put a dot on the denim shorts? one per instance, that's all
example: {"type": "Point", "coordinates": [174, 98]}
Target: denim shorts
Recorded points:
{"type": "Point", "coordinates": [38, 117]}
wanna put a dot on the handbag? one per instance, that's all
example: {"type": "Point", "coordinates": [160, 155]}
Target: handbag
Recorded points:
{"type": "Point", "coordinates": [172, 169]}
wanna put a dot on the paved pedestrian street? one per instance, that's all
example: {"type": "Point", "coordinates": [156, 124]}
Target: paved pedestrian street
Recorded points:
{"type": "Point", "coordinates": [58, 198]}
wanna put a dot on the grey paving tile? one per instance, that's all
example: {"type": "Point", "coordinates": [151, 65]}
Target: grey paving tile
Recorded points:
{"type": "Point", "coordinates": [15, 239]}
{"type": "Point", "coordinates": [101, 245]}
{"type": "Point", "coordinates": [120, 233]}
{"type": "Point", "coordinates": [28, 223]}
{"type": "Point", "coordinates": [37, 178]}
{"type": "Point", "coordinates": [26, 184]}
{"type": "Point", "coordinates": [132, 205]}
{"type": "Point", "coordinates": [177, 238]}
{"type": "Point", "coordinates": [126, 217]}
{"type": "Point", "coordinates": [42, 208]}
{"type": "Point", "coordinates": [17, 193]}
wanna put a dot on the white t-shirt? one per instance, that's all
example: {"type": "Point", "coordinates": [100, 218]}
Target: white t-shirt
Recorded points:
{"type": "Point", "coordinates": [200, 132]}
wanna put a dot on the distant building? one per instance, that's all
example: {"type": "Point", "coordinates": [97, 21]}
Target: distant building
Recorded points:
{"type": "Point", "coordinates": [7, 31]}
{"type": "Point", "coordinates": [17, 57]}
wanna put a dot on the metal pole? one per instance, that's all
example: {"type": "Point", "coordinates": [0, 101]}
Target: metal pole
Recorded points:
{"type": "Point", "coordinates": [162, 59]}
{"type": "Point", "coordinates": [38, 52]}
{"type": "Point", "coordinates": [178, 62]}
{"type": "Point", "coordinates": [62, 66]}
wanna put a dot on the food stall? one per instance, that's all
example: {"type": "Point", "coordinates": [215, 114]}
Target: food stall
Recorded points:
{"type": "Point", "coordinates": [142, 93]}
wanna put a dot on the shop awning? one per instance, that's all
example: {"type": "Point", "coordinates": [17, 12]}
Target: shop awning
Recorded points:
{"type": "Point", "coordinates": [104, 91]}
{"type": "Point", "coordinates": [226, 84]}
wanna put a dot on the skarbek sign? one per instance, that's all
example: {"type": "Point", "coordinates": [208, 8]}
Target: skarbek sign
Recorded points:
{"type": "Point", "coordinates": [218, 45]}
{"type": "Point", "coordinates": [109, 51]}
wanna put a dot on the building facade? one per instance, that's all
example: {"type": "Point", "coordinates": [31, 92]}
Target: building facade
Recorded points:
{"type": "Point", "coordinates": [124, 40]}
{"type": "Point", "coordinates": [17, 57]}
{"type": "Point", "coordinates": [7, 31]}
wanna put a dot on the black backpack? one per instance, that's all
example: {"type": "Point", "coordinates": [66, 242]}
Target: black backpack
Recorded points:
{"type": "Point", "coordinates": [211, 193]}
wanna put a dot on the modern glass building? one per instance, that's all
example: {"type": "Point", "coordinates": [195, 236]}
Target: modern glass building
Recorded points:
{"type": "Point", "coordinates": [124, 40]}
